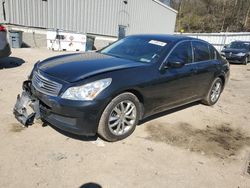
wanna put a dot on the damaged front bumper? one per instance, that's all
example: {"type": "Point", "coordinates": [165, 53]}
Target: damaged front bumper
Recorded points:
{"type": "Point", "coordinates": [26, 109]}
{"type": "Point", "coordinates": [77, 117]}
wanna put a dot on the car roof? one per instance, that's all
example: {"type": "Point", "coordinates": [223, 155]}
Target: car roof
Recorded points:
{"type": "Point", "coordinates": [241, 41]}
{"type": "Point", "coordinates": [165, 37]}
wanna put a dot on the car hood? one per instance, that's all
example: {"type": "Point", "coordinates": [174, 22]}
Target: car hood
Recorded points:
{"type": "Point", "coordinates": [233, 50]}
{"type": "Point", "coordinates": [75, 67]}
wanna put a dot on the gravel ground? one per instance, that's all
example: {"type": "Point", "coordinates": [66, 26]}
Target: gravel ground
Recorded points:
{"type": "Point", "coordinates": [193, 146]}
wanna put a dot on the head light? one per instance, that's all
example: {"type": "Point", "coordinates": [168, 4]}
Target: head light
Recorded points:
{"type": "Point", "coordinates": [241, 54]}
{"type": "Point", "coordinates": [88, 91]}
{"type": "Point", "coordinates": [222, 54]}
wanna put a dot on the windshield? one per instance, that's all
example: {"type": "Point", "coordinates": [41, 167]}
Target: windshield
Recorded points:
{"type": "Point", "coordinates": [239, 45]}
{"type": "Point", "coordinates": [136, 48]}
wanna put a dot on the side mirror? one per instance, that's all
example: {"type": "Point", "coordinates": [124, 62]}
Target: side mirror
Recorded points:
{"type": "Point", "coordinates": [225, 46]}
{"type": "Point", "coordinates": [175, 64]}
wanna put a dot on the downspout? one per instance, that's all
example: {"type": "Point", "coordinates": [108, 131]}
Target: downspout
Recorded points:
{"type": "Point", "coordinates": [4, 13]}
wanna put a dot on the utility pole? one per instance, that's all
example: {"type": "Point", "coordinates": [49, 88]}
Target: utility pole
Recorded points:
{"type": "Point", "coordinates": [247, 16]}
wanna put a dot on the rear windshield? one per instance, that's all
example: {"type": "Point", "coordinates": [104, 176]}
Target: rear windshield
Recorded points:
{"type": "Point", "coordinates": [136, 48]}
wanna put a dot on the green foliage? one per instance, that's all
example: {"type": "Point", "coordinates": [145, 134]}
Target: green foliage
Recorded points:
{"type": "Point", "coordinates": [212, 15]}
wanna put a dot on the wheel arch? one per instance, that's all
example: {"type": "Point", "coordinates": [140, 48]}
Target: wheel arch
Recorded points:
{"type": "Point", "coordinates": [139, 96]}
{"type": "Point", "coordinates": [222, 77]}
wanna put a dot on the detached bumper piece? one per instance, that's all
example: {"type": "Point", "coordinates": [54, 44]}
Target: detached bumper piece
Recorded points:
{"type": "Point", "coordinates": [26, 109]}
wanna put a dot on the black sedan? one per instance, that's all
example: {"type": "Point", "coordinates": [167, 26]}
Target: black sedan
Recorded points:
{"type": "Point", "coordinates": [237, 52]}
{"type": "Point", "coordinates": [4, 45]}
{"type": "Point", "coordinates": [109, 91]}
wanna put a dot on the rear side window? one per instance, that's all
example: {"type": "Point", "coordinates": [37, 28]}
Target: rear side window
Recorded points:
{"type": "Point", "coordinates": [213, 53]}
{"type": "Point", "coordinates": [182, 53]}
{"type": "Point", "coordinates": [201, 51]}
{"type": "Point", "coordinates": [218, 56]}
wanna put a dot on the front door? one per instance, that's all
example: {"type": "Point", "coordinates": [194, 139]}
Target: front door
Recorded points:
{"type": "Point", "coordinates": [175, 86]}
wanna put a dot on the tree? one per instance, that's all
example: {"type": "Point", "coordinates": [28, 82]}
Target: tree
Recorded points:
{"type": "Point", "coordinates": [212, 15]}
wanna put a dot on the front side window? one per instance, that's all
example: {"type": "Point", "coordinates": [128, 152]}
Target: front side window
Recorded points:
{"type": "Point", "coordinates": [136, 48]}
{"type": "Point", "coordinates": [182, 53]}
{"type": "Point", "coordinates": [201, 51]}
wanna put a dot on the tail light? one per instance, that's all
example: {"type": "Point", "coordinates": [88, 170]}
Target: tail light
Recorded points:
{"type": "Point", "coordinates": [2, 28]}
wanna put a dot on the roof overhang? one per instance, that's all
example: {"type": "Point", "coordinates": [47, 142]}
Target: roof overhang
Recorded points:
{"type": "Point", "coordinates": [166, 6]}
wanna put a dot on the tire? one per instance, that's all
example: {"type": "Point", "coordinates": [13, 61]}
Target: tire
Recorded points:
{"type": "Point", "coordinates": [114, 123]}
{"type": "Point", "coordinates": [214, 92]}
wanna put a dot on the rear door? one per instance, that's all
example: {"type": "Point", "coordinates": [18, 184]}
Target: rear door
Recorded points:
{"type": "Point", "coordinates": [206, 63]}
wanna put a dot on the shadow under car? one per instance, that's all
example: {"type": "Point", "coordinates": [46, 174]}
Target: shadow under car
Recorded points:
{"type": "Point", "coordinates": [10, 62]}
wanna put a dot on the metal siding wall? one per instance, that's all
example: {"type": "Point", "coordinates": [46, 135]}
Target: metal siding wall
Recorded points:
{"type": "Point", "coordinates": [150, 17]}
{"type": "Point", "coordinates": [27, 13]}
{"type": "Point", "coordinates": [1, 12]}
{"type": "Point", "coordinates": [92, 16]}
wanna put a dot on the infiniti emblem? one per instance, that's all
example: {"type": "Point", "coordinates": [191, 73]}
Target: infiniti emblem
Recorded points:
{"type": "Point", "coordinates": [40, 84]}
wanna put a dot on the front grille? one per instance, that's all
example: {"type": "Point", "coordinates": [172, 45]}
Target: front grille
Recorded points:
{"type": "Point", "coordinates": [44, 85]}
{"type": "Point", "coordinates": [231, 53]}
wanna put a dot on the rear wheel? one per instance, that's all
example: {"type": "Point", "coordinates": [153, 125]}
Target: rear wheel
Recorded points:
{"type": "Point", "coordinates": [119, 118]}
{"type": "Point", "coordinates": [214, 92]}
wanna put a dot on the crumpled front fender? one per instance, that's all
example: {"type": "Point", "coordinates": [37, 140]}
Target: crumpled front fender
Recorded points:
{"type": "Point", "coordinates": [26, 109]}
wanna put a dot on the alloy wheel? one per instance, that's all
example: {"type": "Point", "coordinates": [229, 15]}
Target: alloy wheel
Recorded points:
{"type": "Point", "coordinates": [122, 118]}
{"type": "Point", "coordinates": [215, 93]}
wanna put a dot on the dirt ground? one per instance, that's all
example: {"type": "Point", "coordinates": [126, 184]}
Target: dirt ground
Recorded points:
{"type": "Point", "coordinates": [194, 146]}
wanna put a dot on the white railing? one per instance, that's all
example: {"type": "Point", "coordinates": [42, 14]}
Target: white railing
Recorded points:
{"type": "Point", "coordinates": [219, 40]}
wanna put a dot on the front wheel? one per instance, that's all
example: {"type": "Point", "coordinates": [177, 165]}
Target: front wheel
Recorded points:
{"type": "Point", "coordinates": [245, 61]}
{"type": "Point", "coordinates": [214, 92]}
{"type": "Point", "coordinates": [119, 118]}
